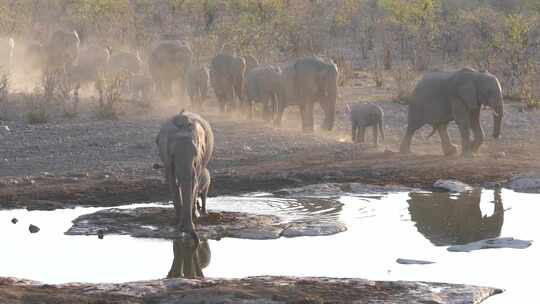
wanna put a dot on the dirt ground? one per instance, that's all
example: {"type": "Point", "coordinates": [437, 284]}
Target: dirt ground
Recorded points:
{"type": "Point", "coordinates": [98, 162]}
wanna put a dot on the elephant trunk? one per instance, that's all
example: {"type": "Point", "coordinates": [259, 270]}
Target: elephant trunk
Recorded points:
{"type": "Point", "coordinates": [497, 119]}
{"type": "Point", "coordinates": [185, 175]}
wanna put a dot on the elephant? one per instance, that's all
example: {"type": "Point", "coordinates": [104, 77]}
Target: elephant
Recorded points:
{"type": "Point", "coordinates": [197, 85]}
{"type": "Point", "coordinates": [305, 81]}
{"type": "Point", "coordinates": [365, 115]}
{"type": "Point", "coordinates": [189, 259]}
{"type": "Point", "coordinates": [227, 78]}
{"type": "Point", "coordinates": [125, 63]}
{"type": "Point", "coordinates": [442, 97]}
{"type": "Point", "coordinates": [168, 63]}
{"type": "Point", "coordinates": [62, 50]}
{"type": "Point", "coordinates": [185, 144]}
{"type": "Point", "coordinates": [141, 87]}
{"type": "Point", "coordinates": [91, 61]}
{"type": "Point", "coordinates": [263, 85]}
{"type": "Point", "coordinates": [251, 62]}
{"type": "Point", "coordinates": [446, 220]}
{"type": "Point", "coordinates": [6, 54]}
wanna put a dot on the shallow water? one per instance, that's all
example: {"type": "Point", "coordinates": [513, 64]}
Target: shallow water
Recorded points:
{"type": "Point", "coordinates": [381, 229]}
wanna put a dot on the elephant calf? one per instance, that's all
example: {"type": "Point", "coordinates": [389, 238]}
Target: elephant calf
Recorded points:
{"type": "Point", "coordinates": [197, 85]}
{"type": "Point", "coordinates": [185, 143]}
{"type": "Point", "coordinates": [365, 115]}
{"type": "Point", "coordinates": [204, 186]}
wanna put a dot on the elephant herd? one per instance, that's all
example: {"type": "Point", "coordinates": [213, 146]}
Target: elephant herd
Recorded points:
{"type": "Point", "coordinates": [185, 142]}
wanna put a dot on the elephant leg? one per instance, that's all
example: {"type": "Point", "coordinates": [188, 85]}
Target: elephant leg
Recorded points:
{"type": "Point", "coordinates": [375, 136]}
{"type": "Point", "coordinates": [361, 134]}
{"type": "Point", "coordinates": [173, 188]}
{"type": "Point", "coordinates": [465, 132]}
{"type": "Point", "coordinates": [405, 146]}
{"type": "Point", "coordinates": [279, 114]}
{"type": "Point", "coordinates": [447, 146]}
{"type": "Point", "coordinates": [478, 133]}
{"type": "Point", "coordinates": [307, 119]}
{"type": "Point", "coordinates": [204, 211]}
{"type": "Point", "coordinates": [354, 131]}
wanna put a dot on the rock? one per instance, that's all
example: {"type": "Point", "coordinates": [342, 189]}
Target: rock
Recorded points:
{"type": "Point", "coordinates": [33, 228]}
{"type": "Point", "coordinates": [507, 242]}
{"type": "Point", "coordinates": [157, 222]}
{"type": "Point", "coordinates": [525, 183]}
{"type": "Point", "coordinates": [413, 262]}
{"type": "Point", "coordinates": [14, 220]}
{"type": "Point", "coordinates": [500, 155]}
{"type": "Point", "coordinates": [44, 205]}
{"type": "Point", "coordinates": [452, 185]}
{"type": "Point", "coordinates": [252, 290]}
{"type": "Point", "coordinates": [330, 190]}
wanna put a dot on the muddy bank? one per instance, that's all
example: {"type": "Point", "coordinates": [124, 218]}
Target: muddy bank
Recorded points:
{"type": "Point", "coordinates": [249, 290]}
{"type": "Point", "coordinates": [158, 222]}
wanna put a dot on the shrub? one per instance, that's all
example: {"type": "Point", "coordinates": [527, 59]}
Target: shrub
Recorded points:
{"type": "Point", "coordinates": [110, 87]}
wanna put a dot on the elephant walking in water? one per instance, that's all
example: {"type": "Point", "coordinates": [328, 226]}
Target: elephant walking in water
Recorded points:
{"type": "Point", "coordinates": [186, 144]}
{"type": "Point", "coordinates": [227, 78]}
{"type": "Point", "coordinates": [442, 97]}
{"type": "Point", "coordinates": [307, 81]}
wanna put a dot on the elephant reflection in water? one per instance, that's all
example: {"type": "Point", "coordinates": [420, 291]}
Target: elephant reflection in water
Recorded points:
{"type": "Point", "coordinates": [445, 220]}
{"type": "Point", "coordinates": [190, 259]}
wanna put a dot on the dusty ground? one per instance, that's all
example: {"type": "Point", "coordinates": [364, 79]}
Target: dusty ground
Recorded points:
{"type": "Point", "coordinates": [96, 162]}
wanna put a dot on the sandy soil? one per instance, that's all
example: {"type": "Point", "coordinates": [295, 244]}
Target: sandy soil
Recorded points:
{"type": "Point", "coordinates": [97, 162]}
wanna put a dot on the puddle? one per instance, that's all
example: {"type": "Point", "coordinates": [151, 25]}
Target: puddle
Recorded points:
{"type": "Point", "coordinates": [417, 226]}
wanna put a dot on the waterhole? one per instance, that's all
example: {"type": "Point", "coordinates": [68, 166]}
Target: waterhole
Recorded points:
{"type": "Point", "coordinates": [381, 228]}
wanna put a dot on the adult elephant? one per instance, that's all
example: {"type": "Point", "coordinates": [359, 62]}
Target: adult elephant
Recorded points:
{"type": "Point", "coordinates": [168, 63]}
{"type": "Point", "coordinates": [186, 144]}
{"type": "Point", "coordinates": [306, 81]}
{"type": "Point", "coordinates": [442, 97]}
{"type": "Point", "coordinates": [263, 85]}
{"type": "Point", "coordinates": [62, 50]}
{"type": "Point", "coordinates": [227, 78]}
{"type": "Point", "coordinates": [125, 62]}
{"type": "Point", "coordinates": [91, 61]}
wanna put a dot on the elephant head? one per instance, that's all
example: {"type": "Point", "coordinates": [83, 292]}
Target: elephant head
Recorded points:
{"type": "Point", "coordinates": [478, 89]}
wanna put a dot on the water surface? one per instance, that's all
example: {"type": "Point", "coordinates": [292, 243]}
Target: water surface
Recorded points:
{"type": "Point", "coordinates": [381, 229]}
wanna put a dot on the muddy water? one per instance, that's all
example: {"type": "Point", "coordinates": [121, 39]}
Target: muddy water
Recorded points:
{"type": "Point", "coordinates": [381, 229]}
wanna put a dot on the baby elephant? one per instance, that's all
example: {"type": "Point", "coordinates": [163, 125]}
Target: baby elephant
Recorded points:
{"type": "Point", "coordinates": [365, 115]}
{"type": "Point", "coordinates": [204, 185]}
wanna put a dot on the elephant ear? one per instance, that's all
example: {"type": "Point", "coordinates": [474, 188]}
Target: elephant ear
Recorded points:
{"type": "Point", "coordinates": [468, 94]}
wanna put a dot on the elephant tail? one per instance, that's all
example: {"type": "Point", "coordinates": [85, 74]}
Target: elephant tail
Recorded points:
{"type": "Point", "coordinates": [381, 129]}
